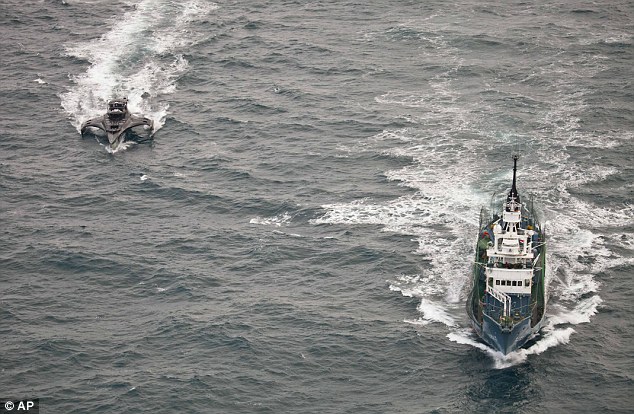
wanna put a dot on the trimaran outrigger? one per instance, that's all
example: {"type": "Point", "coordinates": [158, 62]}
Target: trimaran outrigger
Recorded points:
{"type": "Point", "coordinates": [508, 297]}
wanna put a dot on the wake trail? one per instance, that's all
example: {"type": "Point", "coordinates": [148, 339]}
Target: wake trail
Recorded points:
{"type": "Point", "coordinates": [140, 57]}
{"type": "Point", "coordinates": [450, 144]}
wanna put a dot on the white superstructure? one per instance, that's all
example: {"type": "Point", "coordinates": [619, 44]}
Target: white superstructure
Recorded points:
{"type": "Point", "coordinates": [510, 265]}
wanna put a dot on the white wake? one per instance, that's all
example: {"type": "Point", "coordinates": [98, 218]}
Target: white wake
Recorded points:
{"type": "Point", "coordinates": [453, 176]}
{"type": "Point", "coordinates": [140, 57]}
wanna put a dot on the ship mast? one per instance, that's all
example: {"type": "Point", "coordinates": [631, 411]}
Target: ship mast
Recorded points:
{"type": "Point", "coordinates": [513, 193]}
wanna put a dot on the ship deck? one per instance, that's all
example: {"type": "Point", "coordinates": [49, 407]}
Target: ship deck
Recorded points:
{"type": "Point", "coordinates": [520, 307]}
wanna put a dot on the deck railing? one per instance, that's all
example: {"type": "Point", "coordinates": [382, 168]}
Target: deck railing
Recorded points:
{"type": "Point", "coordinates": [503, 298]}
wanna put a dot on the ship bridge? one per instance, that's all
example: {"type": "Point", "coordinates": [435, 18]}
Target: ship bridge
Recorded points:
{"type": "Point", "coordinates": [510, 281]}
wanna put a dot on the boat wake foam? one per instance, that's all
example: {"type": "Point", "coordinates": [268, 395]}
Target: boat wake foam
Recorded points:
{"type": "Point", "coordinates": [140, 58]}
{"type": "Point", "coordinates": [549, 339]}
{"type": "Point", "coordinates": [553, 334]}
{"type": "Point", "coordinates": [278, 220]}
{"type": "Point", "coordinates": [451, 184]}
{"type": "Point", "coordinates": [454, 139]}
{"type": "Point", "coordinates": [430, 308]}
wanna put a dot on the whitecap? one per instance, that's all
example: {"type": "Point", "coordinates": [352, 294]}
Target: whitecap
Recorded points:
{"type": "Point", "coordinates": [278, 220]}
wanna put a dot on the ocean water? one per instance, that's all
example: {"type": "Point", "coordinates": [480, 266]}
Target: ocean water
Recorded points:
{"type": "Point", "coordinates": [298, 236]}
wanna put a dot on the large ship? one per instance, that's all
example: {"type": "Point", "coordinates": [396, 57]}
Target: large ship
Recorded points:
{"type": "Point", "coordinates": [508, 298]}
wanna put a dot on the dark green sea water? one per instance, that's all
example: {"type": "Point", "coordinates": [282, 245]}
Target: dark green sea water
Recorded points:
{"type": "Point", "coordinates": [299, 235]}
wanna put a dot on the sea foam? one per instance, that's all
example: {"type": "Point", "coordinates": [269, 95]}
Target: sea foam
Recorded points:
{"type": "Point", "coordinates": [140, 57]}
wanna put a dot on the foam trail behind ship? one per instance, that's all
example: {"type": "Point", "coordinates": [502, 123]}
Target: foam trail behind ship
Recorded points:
{"type": "Point", "coordinates": [456, 167]}
{"type": "Point", "coordinates": [140, 57]}
{"type": "Point", "coordinates": [444, 238]}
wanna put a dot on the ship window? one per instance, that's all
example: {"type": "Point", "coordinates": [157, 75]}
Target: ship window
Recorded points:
{"type": "Point", "coordinates": [514, 283]}
{"type": "Point", "coordinates": [503, 283]}
{"type": "Point", "coordinates": [497, 282]}
{"type": "Point", "coordinates": [527, 282]}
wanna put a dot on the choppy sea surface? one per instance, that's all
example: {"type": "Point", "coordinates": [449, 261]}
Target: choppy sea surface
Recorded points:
{"type": "Point", "coordinates": [299, 235]}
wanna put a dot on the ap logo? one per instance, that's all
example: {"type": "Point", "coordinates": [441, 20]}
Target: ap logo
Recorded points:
{"type": "Point", "coordinates": [28, 406]}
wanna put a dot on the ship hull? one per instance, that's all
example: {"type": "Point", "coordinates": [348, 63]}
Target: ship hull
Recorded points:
{"type": "Point", "coordinates": [505, 341]}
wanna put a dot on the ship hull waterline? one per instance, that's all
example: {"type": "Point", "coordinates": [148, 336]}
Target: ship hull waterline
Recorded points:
{"type": "Point", "coordinates": [505, 341]}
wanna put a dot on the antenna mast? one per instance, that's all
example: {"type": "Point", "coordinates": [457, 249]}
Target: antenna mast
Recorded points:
{"type": "Point", "coordinates": [513, 192]}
